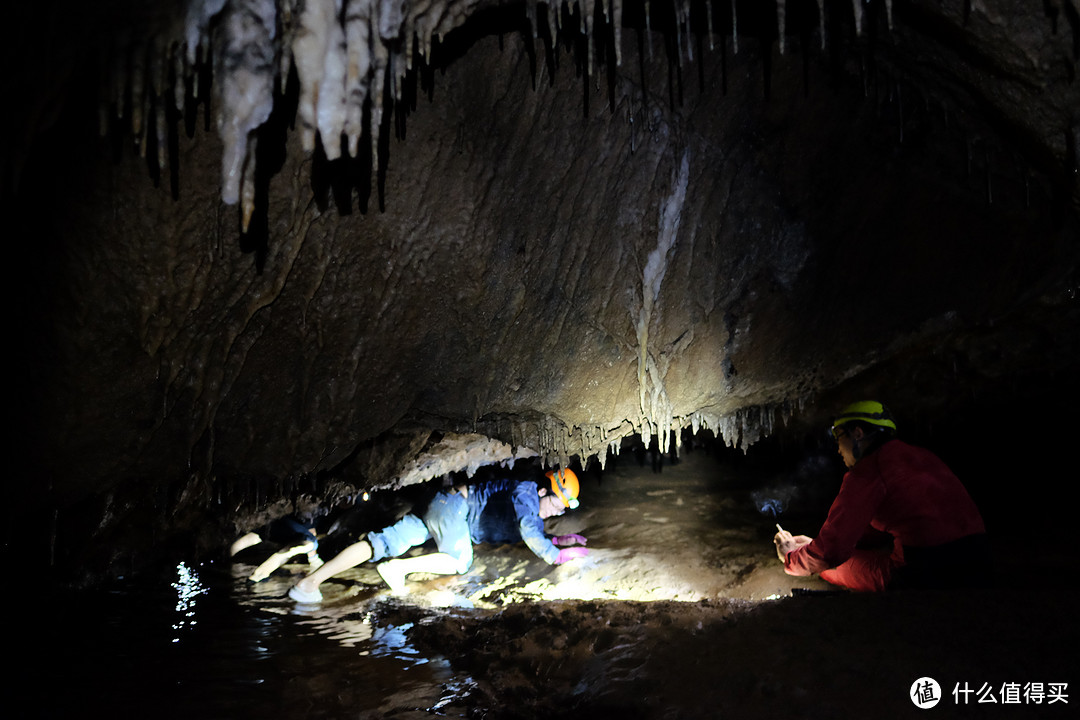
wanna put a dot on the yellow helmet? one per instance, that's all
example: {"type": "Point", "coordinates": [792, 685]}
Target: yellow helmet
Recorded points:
{"type": "Point", "coordinates": [868, 411]}
{"type": "Point", "coordinates": [565, 485]}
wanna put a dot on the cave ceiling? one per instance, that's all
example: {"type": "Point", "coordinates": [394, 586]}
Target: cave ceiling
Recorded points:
{"type": "Point", "coordinates": [292, 240]}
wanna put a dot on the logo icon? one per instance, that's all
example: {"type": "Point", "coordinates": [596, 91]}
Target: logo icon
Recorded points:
{"type": "Point", "coordinates": [925, 693]}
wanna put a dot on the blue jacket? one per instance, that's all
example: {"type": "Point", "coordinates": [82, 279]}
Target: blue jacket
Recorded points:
{"type": "Point", "coordinates": [506, 511]}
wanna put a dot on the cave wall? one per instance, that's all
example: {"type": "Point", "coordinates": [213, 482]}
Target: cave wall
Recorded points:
{"type": "Point", "coordinates": [549, 257]}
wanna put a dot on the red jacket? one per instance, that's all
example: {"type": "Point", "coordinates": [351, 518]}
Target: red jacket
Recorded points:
{"type": "Point", "coordinates": [900, 489]}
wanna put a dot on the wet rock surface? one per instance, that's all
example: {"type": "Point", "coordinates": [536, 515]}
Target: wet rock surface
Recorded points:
{"type": "Point", "coordinates": [801, 656]}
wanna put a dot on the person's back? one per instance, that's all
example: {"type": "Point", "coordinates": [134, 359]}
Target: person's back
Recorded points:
{"type": "Point", "coordinates": [924, 503]}
{"type": "Point", "coordinates": [496, 508]}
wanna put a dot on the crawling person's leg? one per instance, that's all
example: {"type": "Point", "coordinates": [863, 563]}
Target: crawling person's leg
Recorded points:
{"type": "Point", "coordinates": [350, 557]}
{"type": "Point", "coordinates": [281, 557]}
{"type": "Point", "coordinates": [392, 541]}
{"type": "Point", "coordinates": [446, 520]}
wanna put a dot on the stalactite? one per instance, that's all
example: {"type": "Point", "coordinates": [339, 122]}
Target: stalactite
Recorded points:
{"type": "Point", "coordinates": [380, 62]}
{"type": "Point", "coordinates": [648, 28]}
{"type": "Point", "coordinates": [857, 7]}
{"type": "Point", "coordinates": [735, 27]}
{"type": "Point", "coordinates": [179, 73]}
{"type": "Point", "coordinates": [247, 189]}
{"type": "Point", "coordinates": [821, 21]}
{"type": "Point", "coordinates": [136, 86]}
{"type": "Point", "coordinates": [553, 23]}
{"type": "Point", "coordinates": [245, 65]}
{"type": "Point", "coordinates": [530, 18]}
{"type": "Point", "coordinates": [588, 12]}
{"type": "Point", "coordinates": [344, 53]}
{"type": "Point", "coordinates": [197, 24]}
{"type": "Point", "coordinates": [781, 21]}
{"type": "Point", "coordinates": [357, 76]}
{"type": "Point", "coordinates": [616, 24]}
{"type": "Point", "coordinates": [709, 24]}
{"type": "Point", "coordinates": [155, 113]}
{"type": "Point", "coordinates": [683, 27]}
{"type": "Point", "coordinates": [650, 376]}
{"type": "Point", "coordinates": [331, 94]}
{"type": "Point", "coordinates": [309, 56]}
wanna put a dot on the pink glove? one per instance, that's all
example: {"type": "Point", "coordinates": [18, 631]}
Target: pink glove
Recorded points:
{"type": "Point", "coordinates": [570, 553]}
{"type": "Point", "coordinates": [568, 540]}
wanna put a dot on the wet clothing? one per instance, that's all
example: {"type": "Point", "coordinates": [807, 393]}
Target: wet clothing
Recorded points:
{"type": "Point", "coordinates": [498, 512]}
{"type": "Point", "coordinates": [289, 531]}
{"type": "Point", "coordinates": [908, 492]}
{"type": "Point", "coordinates": [507, 511]}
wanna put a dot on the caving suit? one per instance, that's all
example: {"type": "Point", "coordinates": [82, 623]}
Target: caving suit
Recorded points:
{"type": "Point", "coordinates": [938, 535]}
{"type": "Point", "coordinates": [497, 512]}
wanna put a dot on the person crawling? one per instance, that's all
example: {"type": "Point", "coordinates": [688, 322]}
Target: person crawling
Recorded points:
{"type": "Point", "coordinates": [498, 511]}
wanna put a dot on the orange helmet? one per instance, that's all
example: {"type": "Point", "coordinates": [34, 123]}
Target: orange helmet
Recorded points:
{"type": "Point", "coordinates": [565, 485]}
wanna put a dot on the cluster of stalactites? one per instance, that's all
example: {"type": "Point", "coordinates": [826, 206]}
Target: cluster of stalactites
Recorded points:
{"type": "Point", "coordinates": [346, 53]}
{"type": "Point", "coordinates": [745, 426]}
{"type": "Point", "coordinates": [557, 444]}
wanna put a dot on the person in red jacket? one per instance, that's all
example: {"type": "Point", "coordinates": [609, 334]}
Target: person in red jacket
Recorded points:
{"type": "Point", "coordinates": [904, 500]}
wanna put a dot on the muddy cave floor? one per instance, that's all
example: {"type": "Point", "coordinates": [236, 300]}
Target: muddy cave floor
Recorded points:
{"type": "Point", "coordinates": [680, 610]}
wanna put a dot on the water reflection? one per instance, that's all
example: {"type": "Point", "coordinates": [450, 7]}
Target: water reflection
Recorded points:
{"type": "Point", "coordinates": [188, 587]}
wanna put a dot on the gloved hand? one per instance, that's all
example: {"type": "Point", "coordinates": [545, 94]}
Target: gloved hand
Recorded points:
{"type": "Point", "coordinates": [570, 553]}
{"type": "Point", "coordinates": [568, 540]}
